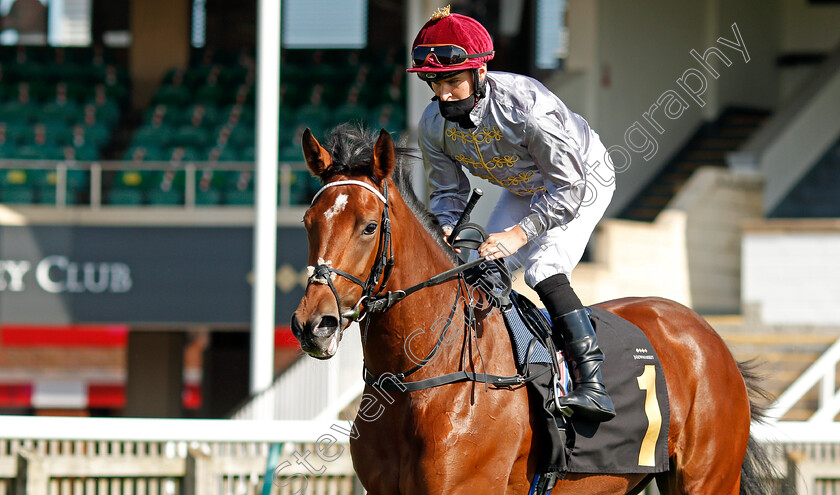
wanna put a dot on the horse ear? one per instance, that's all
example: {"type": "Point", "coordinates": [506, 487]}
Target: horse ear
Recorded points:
{"type": "Point", "coordinates": [384, 156]}
{"type": "Point", "coordinates": [317, 158]}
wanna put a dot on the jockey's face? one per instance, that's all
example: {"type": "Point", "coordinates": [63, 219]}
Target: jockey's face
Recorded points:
{"type": "Point", "coordinates": [457, 87]}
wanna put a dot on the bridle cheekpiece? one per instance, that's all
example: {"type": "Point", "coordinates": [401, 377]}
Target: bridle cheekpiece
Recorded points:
{"type": "Point", "coordinates": [324, 273]}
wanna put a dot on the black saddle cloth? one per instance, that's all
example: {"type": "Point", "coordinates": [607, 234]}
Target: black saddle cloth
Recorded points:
{"type": "Point", "coordinates": [636, 440]}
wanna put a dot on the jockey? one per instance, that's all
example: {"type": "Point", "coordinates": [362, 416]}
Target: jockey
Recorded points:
{"type": "Point", "coordinates": [556, 174]}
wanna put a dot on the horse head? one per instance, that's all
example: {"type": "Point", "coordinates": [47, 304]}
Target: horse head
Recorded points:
{"type": "Point", "coordinates": [348, 229]}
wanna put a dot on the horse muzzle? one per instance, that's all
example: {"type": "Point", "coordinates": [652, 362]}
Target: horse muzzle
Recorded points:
{"type": "Point", "coordinates": [319, 335]}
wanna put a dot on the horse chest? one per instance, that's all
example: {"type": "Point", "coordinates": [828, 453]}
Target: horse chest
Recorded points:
{"type": "Point", "coordinates": [434, 437]}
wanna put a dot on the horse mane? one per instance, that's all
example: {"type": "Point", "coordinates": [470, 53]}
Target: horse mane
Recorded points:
{"type": "Point", "coordinates": [351, 147]}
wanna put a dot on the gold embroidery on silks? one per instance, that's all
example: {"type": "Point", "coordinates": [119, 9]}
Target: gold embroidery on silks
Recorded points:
{"type": "Point", "coordinates": [495, 162]}
{"type": "Point", "coordinates": [485, 135]}
{"type": "Point", "coordinates": [523, 177]}
{"type": "Point", "coordinates": [524, 192]}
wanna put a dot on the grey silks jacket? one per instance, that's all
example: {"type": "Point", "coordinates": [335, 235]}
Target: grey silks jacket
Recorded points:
{"type": "Point", "coordinates": [525, 140]}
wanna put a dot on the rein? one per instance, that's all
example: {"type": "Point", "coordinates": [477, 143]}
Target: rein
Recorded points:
{"type": "Point", "coordinates": [374, 301]}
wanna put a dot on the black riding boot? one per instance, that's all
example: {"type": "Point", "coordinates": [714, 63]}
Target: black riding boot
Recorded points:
{"type": "Point", "coordinates": [589, 397]}
{"type": "Point", "coordinates": [573, 332]}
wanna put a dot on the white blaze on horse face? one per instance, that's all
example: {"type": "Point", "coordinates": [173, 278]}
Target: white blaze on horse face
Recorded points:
{"type": "Point", "coordinates": [337, 207]}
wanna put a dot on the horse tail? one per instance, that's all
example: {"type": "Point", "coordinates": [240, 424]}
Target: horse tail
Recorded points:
{"type": "Point", "coordinates": [759, 475]}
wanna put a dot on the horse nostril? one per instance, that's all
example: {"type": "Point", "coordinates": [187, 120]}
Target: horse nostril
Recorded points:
{"type": "Point", "coordinates": [297, 327]}
{"type": "Point", "coordinates": [326, 326]}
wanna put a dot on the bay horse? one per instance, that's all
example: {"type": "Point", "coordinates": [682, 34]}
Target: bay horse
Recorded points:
{"type": "Point", "coordinates": [366, 229]}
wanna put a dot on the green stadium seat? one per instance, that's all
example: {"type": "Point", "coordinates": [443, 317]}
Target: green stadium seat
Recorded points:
{"type": "Point", "coordinates": [215, 95]}
{"type": "Point", "coordinates": [69, 72]}
{"type": "Point", "coordinates": [51, 133]}
{"type": "Point", "coordinates": [241, 136]}
{"type": "Point", "coordinates": [18, 111]}
{"type": "Point", "coordinates": [210, 197]}
{"type": "Point", "coordinates": [131, 179]}
{"type": "Point", "coordinates": [349, 113]}
{"type": "Point", "coordinates": [247, 154]}
{"type": "Point", "coordinates": [144, 154]}
{"type": "Point", "coordinates": [294, 74]}
{"type": "Point", "coordinates": [172, 95]}
{"type": "Point", "coordinates": [7, 150]}
{"type": "Point", "coordinates": [43, 152]}
{"type": "Point", "coordinates": [85, 153]}
{"type": "Point", "coordinates": [30, 89]}
{"type": "Point", "coordinates": [297, 134]}
{"type": "Point", "coordinates": [78, 91]}
{"type": "Point", "coordinates": [17, 195]}
{"type": "Point", "coordinates": [238, 115]}
{"type": "Point", "coordinates": [237, 197]}
{"type": "Point", "coordinates": [121, 196]}
{"type": "Point", "coordinates": [226, 154]}
{"type": "Point", "coordinates": [209, 178]}
{"type": "Point", "coordinates": [101, 112]}
{"type": "Point", "coordinates": [152, 135]}
{"type": "Point", "coordinates": [41, 177]}
{"type": "Point", "coordinates": [66, 113]}
{"type": "Point", "coordinates": [303, 187]}
{"type": "Point", "coordinates": [197, 76]}
{"type": "Point", "coordinates": [313, 115]}
{"type": "Point", "coordinates": [201, 115]}
{"type": "Point", "coordinates": [158, 197]}
{"type": "Point", "coordinates": [175, 76]}
{"type": "Point", "coordinates": [389, 117]}
{"type": "Point", "coordinates": [232, 77]}
{"type": "Point", "coordinates": [47, 195]}
{"type": "Point", "coordinates": [394, 94]}
{"type": "Point", "coordinates": [13, 132]}
{"type": "Point", "coordinates": [96, 135]}
{"type": "Point", "coordinates": [158, 115]}
{"type": "Point", "coordinates": [291, 95]}
{"type": "Point", "coordinates": [189, 136]}
{"type": "Point", "coordinates": [14, 177]}
{"type": "Point", "coordinates": [239, 180]}
{"type": "Point", "coordinates": [291, 154]}
{"type": "Point", "coordinates": [182, 154]}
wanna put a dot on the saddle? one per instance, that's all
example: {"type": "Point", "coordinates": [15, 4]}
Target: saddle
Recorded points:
{"type": "Point", "coordinates": [636, 440]}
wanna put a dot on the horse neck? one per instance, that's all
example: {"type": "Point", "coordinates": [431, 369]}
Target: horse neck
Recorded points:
{"type": "Point", "coordinates": [417, 258]}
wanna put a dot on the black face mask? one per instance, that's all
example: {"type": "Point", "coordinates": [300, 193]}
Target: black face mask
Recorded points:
{"type": "Point", "coordinates": [458, 111]}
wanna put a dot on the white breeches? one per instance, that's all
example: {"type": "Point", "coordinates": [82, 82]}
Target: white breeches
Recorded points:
{"type": "Point", "coordinates": [558, 250]}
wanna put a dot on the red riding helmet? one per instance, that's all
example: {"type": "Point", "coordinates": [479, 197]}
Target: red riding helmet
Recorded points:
{"type": "Point", "coordinates": [450, 43]}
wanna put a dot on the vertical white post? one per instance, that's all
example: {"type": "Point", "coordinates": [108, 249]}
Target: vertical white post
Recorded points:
{"type": "Point", "coordinates": [265, 227]}
{"type": "Point", "coordinates": [417, 12]}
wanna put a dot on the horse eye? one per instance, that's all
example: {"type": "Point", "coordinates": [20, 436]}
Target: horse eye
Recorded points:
{"type": "Point", "coordinates": [370, 229]}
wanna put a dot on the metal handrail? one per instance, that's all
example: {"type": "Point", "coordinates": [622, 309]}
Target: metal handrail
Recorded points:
{"type": "Point", "coordinates": [97, 167]}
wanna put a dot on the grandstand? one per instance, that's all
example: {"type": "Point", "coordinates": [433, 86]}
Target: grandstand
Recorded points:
{"type": "Point", "coordinates": [127, 207]}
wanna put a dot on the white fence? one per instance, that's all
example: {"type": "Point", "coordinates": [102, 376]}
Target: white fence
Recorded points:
{"type": "Point", "coordinates": [120, 456]}
{"type": "Point", "coordinates": [810, 449]}
{"type": "Point", "coordinates": [191, 169]}
{"type": "Point", "coordinates": [311, 388]}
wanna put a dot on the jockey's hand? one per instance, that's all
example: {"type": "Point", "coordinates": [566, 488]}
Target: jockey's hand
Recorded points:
{"type": "Point", "coordinates": [446, 233]}
{"type": "Point", "coordinates": [502, 244]}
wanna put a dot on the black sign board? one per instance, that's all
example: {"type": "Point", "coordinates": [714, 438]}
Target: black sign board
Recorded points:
{"type": "Point", "coordinates": [140, 275]}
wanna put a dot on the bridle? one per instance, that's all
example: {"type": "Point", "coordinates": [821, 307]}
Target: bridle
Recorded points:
{"type": "Point", "coordinates": [374, 299]}
{"type": "Point", "coordinates": [382, 267]}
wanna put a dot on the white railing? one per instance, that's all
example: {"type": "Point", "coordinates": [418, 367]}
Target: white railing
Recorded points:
{"type": "Point", "coordinates": [796, 136]}
{"type": "Point", "coordinates": [812, 446]}
{"type": "Point", "coordinates": [822, 372]}
{"type": "Point", "coordinates": [97, 168]}
{"type": "Point", "coordinates": [311, 388]}
{"type": "Point", "coordinates": [122, 456]}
